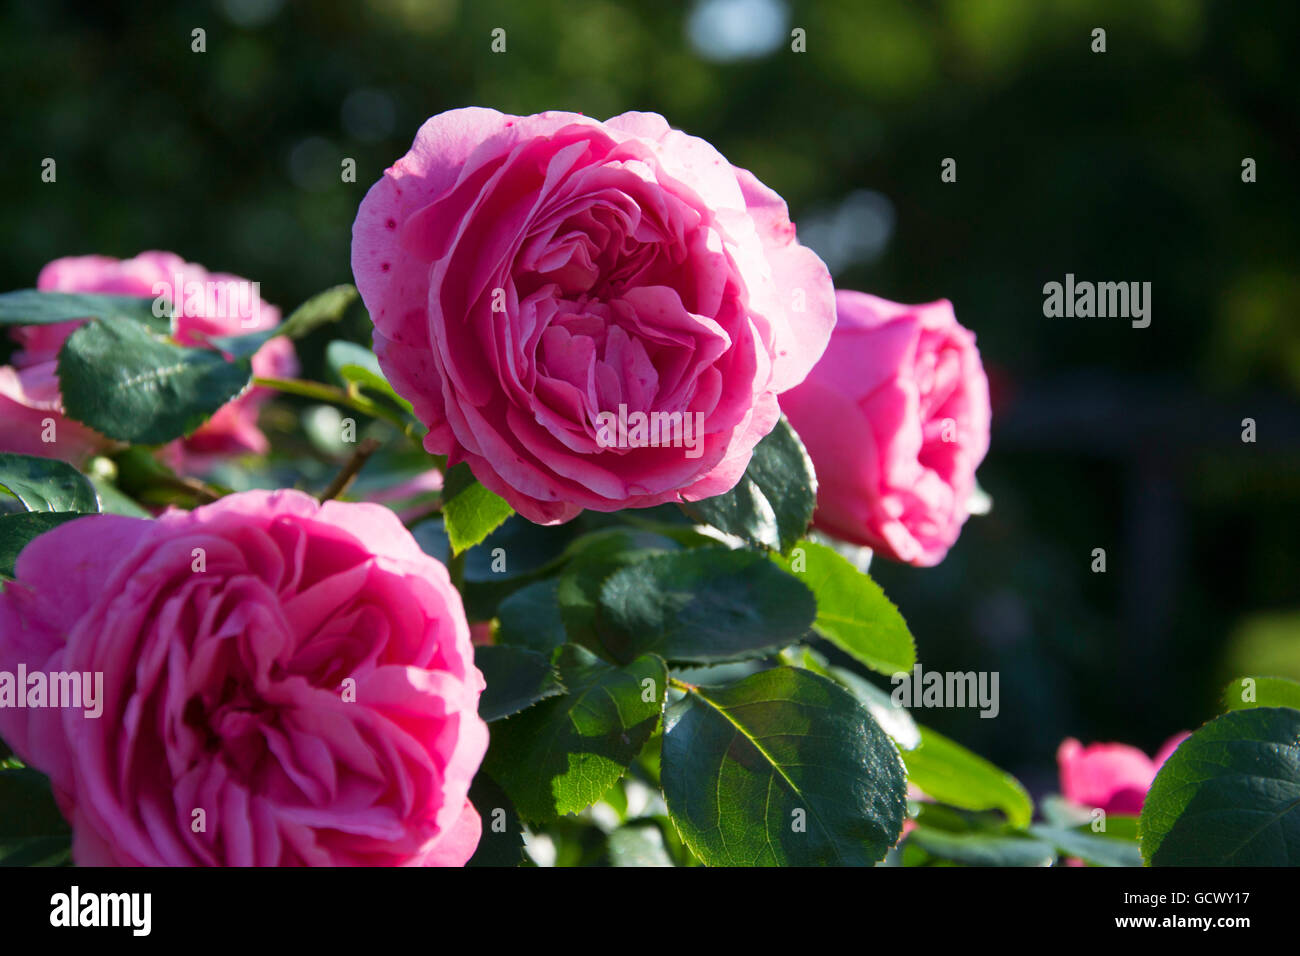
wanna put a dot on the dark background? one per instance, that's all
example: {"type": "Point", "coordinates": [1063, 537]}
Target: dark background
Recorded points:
{"type": "Point", "coordinates": [1122, 166]}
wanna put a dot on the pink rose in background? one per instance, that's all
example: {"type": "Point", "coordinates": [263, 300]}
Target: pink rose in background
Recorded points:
{"type": "Point", "coordinates": [300, 672]}
{"type": "Point", "coordinates": [1113, 777]}
{"type": "Point", "coordinates": [529, 275]}
{"type": "Point", "coordinates": [29, 389]}
{"type": "Point", "coordinates": [896, 419]}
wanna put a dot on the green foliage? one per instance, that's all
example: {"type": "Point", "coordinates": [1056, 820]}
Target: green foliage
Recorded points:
{"type": "Point", "coordinates": [781, 768]}
{"type": "Point", "coordinates": [32, 831]}
{"type": "Point", "coordinates": [470, 512]}
{"type": "Point", "coordinates": [704, 605]}
{"type": "Point", "coordinates": [129, 384]}
{"type": "Point", "coordinates": [46, 484]}
{"type": "Point", "coordinates": [948, 772]}
{"type": "Point", "coordinates": [35, 307]}
{"type": "Point", "coordinates": [852, 611]}
{"type": "Point", "coordinates": [516, 679]}
{"type": "Point", "coordinates": [1247, 692]}
{"type": "Point", "coordinates": [502, 842]}
{"type": "Point", "coordinates": [1229, 795]}
{"type": "Point", "coordinates": [17, 531]}
{"type": "Point", "coordinates": [560, 755]}
{"type": "Point", "coordinates": [772, 505]}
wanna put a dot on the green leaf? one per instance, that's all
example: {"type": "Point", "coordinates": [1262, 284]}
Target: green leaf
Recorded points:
{"type": "Point", "coordinates": [948, 772]}
{"type": "Point", "coordinates": [17, 531]}
{"type": "Point", "coordinates": [470, 512]}
{"type": "Point", "coordinates": [1099, 850]}
{"type": "Point", "coordinates": [592, 559]}
{"type": "Point", "coordinates": [47, 484]}
{"type": "Point", "coordinates": [321, 309]}
{"type": "Point", "coordinates": [704, 606]}
{"type": "Point", "coordinates": [531, 618]}
{"type": "Point", "coordinates": [36, 851]}
{"type": "Point", "coordinates": [772, 504]}
{"type": "Point", "coordinates": [1229, 795]}
{"type": "Point", "coordinates": [502, 842]}
{"type": "Point", "coordinates": [894, 720]}
{"type": "Point", "coordinates": [27, 807]}
{"type": "Point", "coordinates": [353, 364]}
{"type": "Point", "coordinates": [852, 611]}
{"type": "Point", "coordinates": [34, 307]}
{"type": "Point", "coordinates": [130, 385]}
{"type": "Point", "coordinates": [1247, 692]}
{"type": "Point", "coordinates": [984, 849]}
{"type": "Point", "coordinates": [781, 768]}
{"type": "Point", "coordinates": [561, 755]}
{"type": "Point", "coordinates": [516, 679]}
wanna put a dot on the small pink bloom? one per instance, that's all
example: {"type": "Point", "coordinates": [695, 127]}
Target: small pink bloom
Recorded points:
{"type": "Point", "coordinates": [207, 308]}
{"type": "Point", "coordinates": [895, 417]}
{"type": "Point", "coordinates": [300, 673]}
{"type": "Point", "coordinates": [528, 275]}
{"type": "Point", "coordinates": [1112, 777]}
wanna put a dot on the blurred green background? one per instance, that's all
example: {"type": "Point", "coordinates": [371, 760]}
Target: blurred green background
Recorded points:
{"type": "Point", "coordinates": [1122, 166]}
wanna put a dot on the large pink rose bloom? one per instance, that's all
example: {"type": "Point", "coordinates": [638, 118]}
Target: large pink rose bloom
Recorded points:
{"type": "Point", "coordinates": [896, 419]}
{"type": "Point", "coordinates": [527, 275]}
{"type": "Point", "coordinates": [1114, 777]}
{"type": "Point", "coordinates": [29, 392]}
{"type": "Point", "coordinates": [301, 673]}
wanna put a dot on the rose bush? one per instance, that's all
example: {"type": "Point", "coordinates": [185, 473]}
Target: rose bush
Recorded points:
{"type": "Point", "coordinates": [294, 681]}
{"type": "Point", "coordinates": [29, 391]}
{"type": "Point", "coordinates": [526, 274]}
{"type": "Point", "coordinates": [896, 419]}
{"type": "Point", "coordinates": [301, 673]}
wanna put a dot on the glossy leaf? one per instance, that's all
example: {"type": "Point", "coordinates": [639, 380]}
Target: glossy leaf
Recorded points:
{"type": "Point", "coordinates": [781, 768]}
{"type": "Point", "coordinates": [470, 512]}
{"type": "Point", "coordinates": [133, 386]}
{"type": "Point", "coordinates": [703, 606]}
{"type": "Point", "coordinates": [772, 504]}
{"type": "Point", "coordinates": [563, 754]}
{"type": "Point", "coordinates": [852, 611]}
{"type": "Point", "coordinates": [948, 772]}
{"type": "Point", "coordinates": [1229, 795]}
{"type": "Point", "coordinates": [47, 484]}
{"type": "Point", "coordinates": [516, 679]}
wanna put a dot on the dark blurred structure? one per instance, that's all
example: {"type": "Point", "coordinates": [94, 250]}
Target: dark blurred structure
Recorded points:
{"type": "Point", "coordinates": [1117, 166]}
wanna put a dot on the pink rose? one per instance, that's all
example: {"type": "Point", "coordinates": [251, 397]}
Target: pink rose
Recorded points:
{"type": "Point", "coordinates": [30, 413]}
{"type": "Point", "coordinates": [29, 390]}
{"type": "Point", "coordinates": [1113, 777]}
{"type": "Point", "coordinates": [301, 673]}
{"type": "Point", "coordinates": [531, 277]}
{"type": "Point", "coordinates": [896, 419]}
